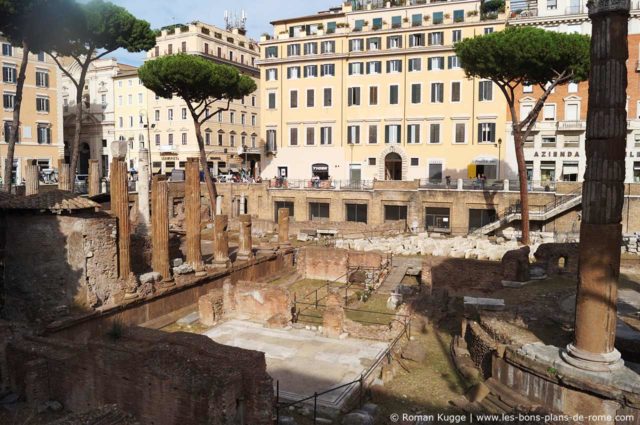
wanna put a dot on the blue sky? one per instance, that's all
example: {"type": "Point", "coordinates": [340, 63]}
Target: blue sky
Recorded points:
{"type": "Point", "coordinates": [259, 13]}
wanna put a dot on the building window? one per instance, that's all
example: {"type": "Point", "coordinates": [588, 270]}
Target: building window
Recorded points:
{"type": "Point", "coordinates": [325, 136]}
{"type": "Point", "coordinates": [356, 68]}
{"type": "Point", "coordinates": [184, 139]}
{"type": "Point", "coordinates": [413, 133]}
{"type": "Point", "coordinates": [393, 95]}
{"type": "Point", "coordinates": [488, 30]}
{"type": "Point", "coordinates": [416, 40]}
{"type": "Point", "coordinates": [42, 104]}
{"type": "Point", "coordinates": [392, 134]}
{"type": "Point", "coordinates": [310, 71]}
{"type": "Point", "coordinates": [170, 114]}
{"type": "Point", "coordinates": [293, 99]}
{"type": "Point", "coordinates": [435, 63]}
{"type": "Point", "coordinates": [437, 92]}
{"type": "Point", "coordinates": [272, 74]}
{"type": "Point", "coordinates": [8, 101]}
{"type": "Point", "coordinates": [311, 136]}
{"type": "Point", "coordinates": [549, 113]}
{"type": "Point", "coordinates": [318, 211]}
{"type": "Point", "coordinates": [394, 66]}
{"type": "Point", "coordinates": [327, 70]}
{"type": "Point", "coordinates": [416, 93]}
{"type": "Point", "coordinates": [327, 97]}
{"type": "Point", "coordinates": [415, 162]}
{"type": "Point", "coordinates": [454, 62]}
{"type": "Point", "coordinates": [207, 138]}
{"type": "Point", "coordinates": [461, 133]}
{"type": "Point", "coordinates": [437, 219]}
{"type": "Point", "coordinates": [415, 65]}
{"type": "Point", "coordinates": [548, 171]}
{"type": "Point", "coordinates": [374, 67]}
{"type": "Point", "coordinates": [272, 101]}
{"type": "Point", "coordinates": [157, 140]}
{"type": "Point", "coordinates": [7, 49]}
{"type": "Point", "coordinates": [353, 134]}
{"type": "Point", "coordinates": [548, 142]}
{"type": "Point", "coordinates": [44, 135]}
{"type": "Point", "coordinates": [293, 72]}
{"type": "Point", "coordinates": [310, 48]}
{"type": "Point", "coordinates": [356, 45]}
{"type": "Point", "coordinates": [328, 47]}
{"type": "Point", "coordinates": [395, 212]}
{"type": "Point", "coordinates": [487, 132]}
{"type": "Point", "coordinates": [373, 134]}
{"type": "Point", "coordinates": [434, 133]}
{"type": "Point", "coordinates": [485, 91]}
{"type": "Point", "coordinates": [271, 52]}
{"type": "Point", "coordinates": [42, 79]}
{"type": "Point", "coordinates": [455, 91]}
{"type": "Point", "coordinates": [458, 15]}
{"type": "Point", "coordinates": [9, 74]}
{"type": "Point", "coordinates": [436, 38]}
{"type": "Point", "coordinates": [373, 95]}
{"type": "Point", "coordinates": [374, 44]}
{"type": "Point", "coordinates": [356, 213]}
{"type": "Point", "coordinates": [394, 42]}
{"type": "Point", "coordinates": [353, 95]}
{"type": "Point", "coordinates": [570, 171]}
{"type": "Point", "coordinates": [372, 161]}
{"type": "Point", "coordinates": [170, 139]}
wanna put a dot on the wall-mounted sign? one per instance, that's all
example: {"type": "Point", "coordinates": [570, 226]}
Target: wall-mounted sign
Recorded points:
{"type": "Point", "coordinates": [556, 154]}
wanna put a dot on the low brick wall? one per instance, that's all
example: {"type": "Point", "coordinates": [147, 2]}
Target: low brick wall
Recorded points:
{"type": "Point", "coordinates": [481, 347]}
{"type": "Point", "coordinates": [458, 274]}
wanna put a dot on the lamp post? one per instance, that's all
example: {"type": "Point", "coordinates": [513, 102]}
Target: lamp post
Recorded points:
{"type": "Point", "coordinates": [145, 118]}
{"type": "Point", "coordinates": [499, 156]}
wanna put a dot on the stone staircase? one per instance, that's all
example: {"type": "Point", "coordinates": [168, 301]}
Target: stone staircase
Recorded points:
{"type": "Point", "coordinates": [562, 204]}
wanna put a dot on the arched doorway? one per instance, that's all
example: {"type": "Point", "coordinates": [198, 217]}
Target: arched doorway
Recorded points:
{"type": "Point", "coordinates": [393, 167]}
{"type": "Point", "coordinates": [83, 159]}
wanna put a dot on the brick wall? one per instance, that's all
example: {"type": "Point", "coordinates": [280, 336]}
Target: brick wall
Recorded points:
{"type": "Point", "coordinates": [63, 260]}
{"type": "Point", "coordinates": [459, 275]}
{"type": "Point", "coordinates": [323, 263]}
{"type": "Point", "coordinates": [158, 377]}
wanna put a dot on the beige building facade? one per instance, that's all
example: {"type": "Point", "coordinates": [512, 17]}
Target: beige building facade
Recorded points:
{"type": "Point", "coordinates": [131, 114]}
{"type": "Point", "coordinates": [41, 131]}
{"type": "Point", "coordinates": [232, 137]}
{"type": "Point", "coordinates": [373, 90]}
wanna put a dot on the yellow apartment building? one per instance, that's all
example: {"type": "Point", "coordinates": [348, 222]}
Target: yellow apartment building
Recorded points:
{"type": "Point", "coordinates": [232, 137]}
{"type": "Point", "coordinates": [131, 114]}
{"type": "Point", "coordinates": [373, 90]}
{"type": "Point", "coordinates": [41, 130]}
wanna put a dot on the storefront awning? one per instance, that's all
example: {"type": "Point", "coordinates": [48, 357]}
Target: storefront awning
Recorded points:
{"type": "Point", "coordinates": [570, 169]}
{"type": "Point", "coordinates": [548, 166]}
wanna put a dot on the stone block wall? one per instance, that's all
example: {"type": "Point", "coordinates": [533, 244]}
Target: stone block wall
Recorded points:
{"type": "Point", "coordinates": [481, 347]}
{"type": "Point", "coordinates": [159, 378]}
{"type": "Point", "coordinates": [323, 263]}
{"type": "Point", "coordinates": [62, 261]}
{"type": "Point", "coordinates": [559, 258]}
{"type": "Point", "coordinates": [259, 302]}
{"type": "Point", "coordinates": [211, 307]}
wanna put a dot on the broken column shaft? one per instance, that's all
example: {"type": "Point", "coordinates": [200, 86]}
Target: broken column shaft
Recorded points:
{"type": "Point", "coordinates": [283, 227]}
{"type": "Point", "coordinates": [192, 213]}
{"type": "Point", "coordinates": [245, 244]}
{"type": "Point", "coordinates": [64, 176]}
{"type": "Point", "coordinates": [120, 208]}
{"type": "Point", "coordinates": [160, 227]}
{"type": "Point", "coordinates": [221, 242]}
{"type": "Point", "coordinates": [32, 178]}
{"type": "Point", "coordinates": [143, 191]}
{"type": "Point", "coordinates": [94, 177]}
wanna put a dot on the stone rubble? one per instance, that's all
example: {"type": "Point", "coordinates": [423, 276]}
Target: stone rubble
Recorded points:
{"type": "Point", "coordinates": [470, 247]}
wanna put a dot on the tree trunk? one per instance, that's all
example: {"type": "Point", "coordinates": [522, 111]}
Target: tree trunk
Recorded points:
{"type": "Point", "coordinates": [211, 188]}
{"type": "Point", "coordinates": [15, 125]}
{"type": "Point", "coordinates": [602, 191]}
{"type": "Point", "coordinates": [524, 190]}
{"type": "Point", "coordinates": [75, 144]}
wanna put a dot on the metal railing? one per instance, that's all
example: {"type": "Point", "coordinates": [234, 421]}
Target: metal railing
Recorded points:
{"type": "Point", "coordinates": [279, 183]}
{"type": "Point", "coordinates": [534, 185]}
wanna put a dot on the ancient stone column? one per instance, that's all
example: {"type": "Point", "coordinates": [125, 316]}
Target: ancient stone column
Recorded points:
{"type": "Point", "coordinates": [218, 204]}
{"type": "Point", "coordinates": [94, 177]}
{"type": "Point", "coordinates": [32, 178]}
{"type": "Point", "coordinates": [64, 176]}
{"type": "Point", "coordinates": [245, 247]}
{"type": "Point", "coordinates": [283, 227]}
{"type": "Point", "coordinates": [143, 189]}
{"type": "Point", "coordinates": [160, 227]}
{"type": "Point", "coordinates": [221, 242]}
{"type": "Point", "coordinates": [120, 208]}
{"type": "Point", "coordinates": [602, 191]}
{"type": "Point", "coordinates": [192, 213]}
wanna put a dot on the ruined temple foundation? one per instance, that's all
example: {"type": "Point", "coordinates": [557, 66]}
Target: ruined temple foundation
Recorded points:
{"type": "Point", "coordinates": [94, 178]}
{"type": "Point", "coordinates": [245, 248]}
{"type": "Point", "coordinates": [32, 178]}
{"type": "Point", "coordinates": [221, 242]}
{"type": "Point", "coordinates": [192, 214]}
{"type": "Point", "coordinates": [120, 208]}
{"type": "Point", "coordinates": [64, 176]}
{"type": "Point", "coordinates": [160, 228]}
{"type": "Point", "coordinates": [283, 227]}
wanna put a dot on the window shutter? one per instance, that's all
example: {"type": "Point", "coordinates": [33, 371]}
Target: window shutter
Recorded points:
{"type": "Point", "coordinates": [492, 127]}
{"type": "Point", "coordinates": [386, 133]}
{"type": "Point", "coordinates": [388, 67]}
{"type": "Point", "coordinates": [479, 133]}
{"type": "Point", "coordinates": [430, 64]}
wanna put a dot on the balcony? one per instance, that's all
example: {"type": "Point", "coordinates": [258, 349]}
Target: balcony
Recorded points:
{"type": "Point", "coordinates": [168, 148]}
{"type": "Point", "coordinates": [572, 125]}
{"type": "Point", "coordinates": [524, 14]}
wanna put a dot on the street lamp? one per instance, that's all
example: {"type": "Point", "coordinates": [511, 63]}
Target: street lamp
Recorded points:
{"type": "Point", "coordinates": [499, 156]}
{"type": "Point", "coordinates": [145, 119]}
